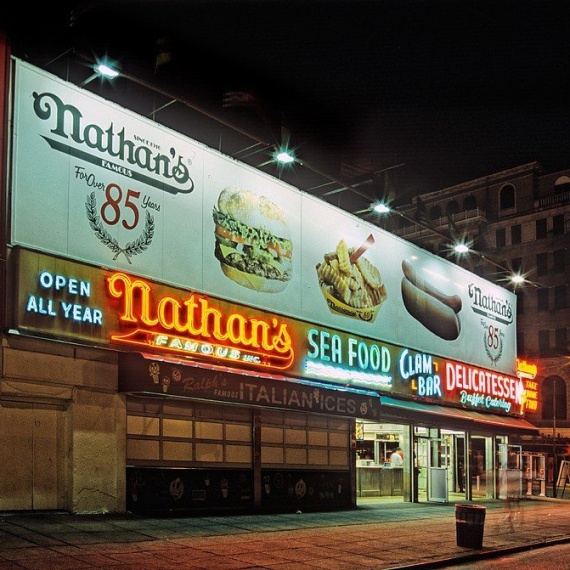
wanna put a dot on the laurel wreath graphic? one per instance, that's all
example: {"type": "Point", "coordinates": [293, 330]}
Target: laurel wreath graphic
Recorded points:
{"type": "Point", "coordinates": [131, 248]}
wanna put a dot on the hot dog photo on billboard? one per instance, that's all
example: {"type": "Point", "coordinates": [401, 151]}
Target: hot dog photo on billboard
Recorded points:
{"type": "Point", "coordinates": [253, 240]}
{"type": "Point", "coordinates": [436, 311]}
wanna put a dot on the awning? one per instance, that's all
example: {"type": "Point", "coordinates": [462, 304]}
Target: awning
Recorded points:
{"type": "Point", "coordinates": [157, 375]}
{"type": "Point", "coordinates": [393, 409]}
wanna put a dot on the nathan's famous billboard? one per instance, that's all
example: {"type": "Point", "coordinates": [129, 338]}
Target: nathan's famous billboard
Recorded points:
{"type": "Point", "coordinates": [94, 182]}
{"type": "Point", "coordinates": [190, 331]}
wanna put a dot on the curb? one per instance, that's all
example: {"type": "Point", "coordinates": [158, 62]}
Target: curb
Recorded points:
{"type": "Point", "coordinates": [479, 555]}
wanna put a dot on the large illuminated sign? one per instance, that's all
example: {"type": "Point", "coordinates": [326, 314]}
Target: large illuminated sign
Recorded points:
{"type": "Point", "coordinates": [193, 326]}
{"type": "Point", "coordinates": [95, 183]}
{"type": "Point", "coordinates": [439, 380]}
{"type": "Point", "coordinates": [68, 300]}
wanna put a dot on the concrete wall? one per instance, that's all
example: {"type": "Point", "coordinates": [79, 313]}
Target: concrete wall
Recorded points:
{"type": "Point", "coordinates": [84, 471]}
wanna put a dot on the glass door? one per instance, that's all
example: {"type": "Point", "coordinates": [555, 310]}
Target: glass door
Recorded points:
{"type": "Point", "coordinates": [438, 465]}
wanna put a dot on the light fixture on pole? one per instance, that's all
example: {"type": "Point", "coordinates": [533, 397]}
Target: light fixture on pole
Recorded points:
{"type": "Point", "coordinates": [284, 156]}
{"type": "Point", "coordinates": [104, 70]}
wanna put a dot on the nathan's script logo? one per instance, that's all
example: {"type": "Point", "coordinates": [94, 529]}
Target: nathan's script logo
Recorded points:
{"type": "Point", "coordinates": [171, 169]}
{"type": "Point", "coordinates": [499, 310]}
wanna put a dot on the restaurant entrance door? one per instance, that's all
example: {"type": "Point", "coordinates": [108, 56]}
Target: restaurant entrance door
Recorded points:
{"type": "Point", "coordinates": [432, 460]}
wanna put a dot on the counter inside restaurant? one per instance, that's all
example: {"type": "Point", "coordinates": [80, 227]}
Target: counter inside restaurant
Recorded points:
{"type": "Point", "coordinates": [377, 480]}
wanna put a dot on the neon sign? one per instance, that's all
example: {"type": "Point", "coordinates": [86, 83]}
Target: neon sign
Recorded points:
{"type": "Point", "coordinates": [421, 369]}
{"type": "Point", "coordinates": [193, 326]}
{"type": "Point", "coordinates": [482, 388]}
{"type": "Point", "coordinates": [528, 371]}
{"type": "Point", "coordinates": [346, 359]}
{"type": "Point", "coordinates": [49, 306]}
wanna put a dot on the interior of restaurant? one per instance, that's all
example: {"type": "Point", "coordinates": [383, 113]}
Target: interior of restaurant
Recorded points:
{"type": "Point", "coordinates": [439, 460]}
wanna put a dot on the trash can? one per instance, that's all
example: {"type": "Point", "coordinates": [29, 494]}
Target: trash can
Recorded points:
{"type": "Point", "coordinates": [469, 525]}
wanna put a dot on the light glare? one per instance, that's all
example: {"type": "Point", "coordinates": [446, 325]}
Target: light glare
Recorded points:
{"type": "Point", "coordinates": [107, 71]}
{"type": "Point", "coordinates": [284, 157]}
{"type": "Point", "coordinates": [381, 208]}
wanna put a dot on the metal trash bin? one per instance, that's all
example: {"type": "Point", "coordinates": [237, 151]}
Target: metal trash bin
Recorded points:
{"type": "Point", "coordinates": [469, 525]}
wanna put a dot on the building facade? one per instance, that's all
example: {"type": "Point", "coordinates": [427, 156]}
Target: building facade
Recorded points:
{"type": "Point", "coordinates": [179, 334]}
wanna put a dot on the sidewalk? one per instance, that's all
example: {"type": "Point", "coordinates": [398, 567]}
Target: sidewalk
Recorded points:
{"type": "Point", "coordinates": [376, 535]}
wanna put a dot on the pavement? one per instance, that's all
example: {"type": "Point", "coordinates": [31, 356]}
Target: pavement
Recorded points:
{"type": "Point", "coordinates": [376, 535]}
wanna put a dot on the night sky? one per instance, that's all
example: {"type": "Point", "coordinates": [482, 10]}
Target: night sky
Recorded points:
{"type": "Point", "coordinates": [454, 90]}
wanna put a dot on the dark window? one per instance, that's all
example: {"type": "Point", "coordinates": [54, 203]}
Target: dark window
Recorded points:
{"type": "Point", "coordinates": [500, 237]}
{"type": "Point", "coordinates": [541, 228]}
{"type": "Point", "coordinates": [542, 299]}
{"type": "Point", "coordinates": [559, 259]}
{"type": "Point", "coordinates": [507, 197]}
{"type": "Point", "coordinates": [558, 225]}
{"type": "Point", "coordinates": [561, 340]}
{"type": "Point", "coordinates": [516, 264]}
{"type": "Point", "coordinates": [520, 302]}
{"type": "Point", "coordinates": [516, 234]}
{"type": "Point", "coordinates": [560, 297]}
{"type": "Point", "coordinates": [520, 342]}
{"type": "Point", "coordinates": [553, 398]}
{"type": "Point", "coordinates": [544, 342]}
{"type": "Point", "coordinates": [541, 263]}
{"type": "Point", "coordinates": [470, 203]}
{"type": "Point", "coordinates": [452, 208]}
{"type": "Point", "coordinates": [435, 213]}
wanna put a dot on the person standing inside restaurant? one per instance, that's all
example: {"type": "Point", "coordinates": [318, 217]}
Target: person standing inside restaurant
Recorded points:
{"type": "Point", "coordinates": [397, 458]}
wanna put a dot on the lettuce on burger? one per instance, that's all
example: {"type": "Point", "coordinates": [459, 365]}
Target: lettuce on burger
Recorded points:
{"type": "Point", "coordinates": [253, 241]}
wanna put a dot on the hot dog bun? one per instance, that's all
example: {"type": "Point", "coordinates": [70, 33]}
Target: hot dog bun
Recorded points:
{"type": "Point", "coordinates": [439, 318]}
{"type": "Point", "coordinates": [452, 301]}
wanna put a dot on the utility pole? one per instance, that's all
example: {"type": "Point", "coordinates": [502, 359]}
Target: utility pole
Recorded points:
{"type": "Point", "coordinates": [554, 477]}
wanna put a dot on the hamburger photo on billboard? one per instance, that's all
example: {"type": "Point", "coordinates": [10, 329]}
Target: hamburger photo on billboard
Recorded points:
{"type": "Point", "coordinates": [253, 240]}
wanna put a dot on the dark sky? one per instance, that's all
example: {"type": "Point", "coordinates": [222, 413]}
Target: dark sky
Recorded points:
{"type": "Point", "coordinates": [454, 90]}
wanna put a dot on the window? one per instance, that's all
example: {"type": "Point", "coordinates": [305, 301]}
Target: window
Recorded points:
{"type": "Point", "coordinates": [553, 398]}
{"type": "Point", "coordinates": [558, 225]}
{"type": "Point", "coordinates": [560, 297]}
{"type": "Point", "coordinates": [559, 258]}
{"type": "Point", "coordinates": [562, 184]}
{"type": "Point", "coordinates": [470, 203]}
{"type": "Point", "coordinates": [561, 340]}
{"type": "Point", "coordinates": [541, 232]}
{"type": "Point", "coordinates": [452, 208]}
{"type": "Point", "coordinates": [500, 239]}
{"type": "Point", "coordinates": [516, 234]}
{"type": "Point", "coordinates": [520, 302]}
{"type": "Point", "coordinates": [542, 299]}
{"type": "Point", "coordinates": [435, 213]}
{"type": "Point", "coordinates": [507, 197]}
{"type": "Point", "coordinates": [541, 263]}
{"type": "Point", "coordinates": [544, 342]}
